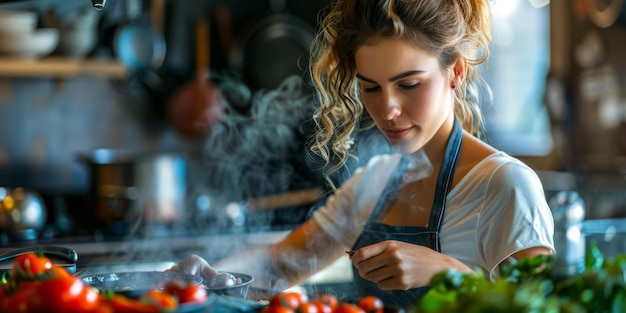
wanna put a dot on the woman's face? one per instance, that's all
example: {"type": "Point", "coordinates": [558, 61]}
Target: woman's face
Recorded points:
{"type": "Point", "coordinates": [405, 90]}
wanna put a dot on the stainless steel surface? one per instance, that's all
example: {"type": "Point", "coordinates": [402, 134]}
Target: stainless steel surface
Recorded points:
{"type": "Point", "coordinates": [568, 210]}
{"type": "Point", "coordinates": [137, 282]}
{"type": "Point", "coordinates": [60, 256]}
{"type": "Point", "coordinates": [223, 279]}
{"type": "Point", "coordinates": [21, 210]}
{"type": "Point", "coordinates": [135, 188]}
{"type": "Point", "coordinates": [238, 287]}
{"type": "Point", "coordinates": [608, 234]}
{"type": "Point", "coordinates": [98, 4]}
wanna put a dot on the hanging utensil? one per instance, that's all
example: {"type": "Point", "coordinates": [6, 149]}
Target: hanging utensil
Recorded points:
{"type": "Point", "coordinates": [198, 106]}
{"type": "Point", "coordinates": [138, 45]}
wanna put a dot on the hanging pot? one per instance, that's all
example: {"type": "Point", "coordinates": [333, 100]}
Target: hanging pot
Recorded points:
{"type": "Point", "coordinates": [198, 106]}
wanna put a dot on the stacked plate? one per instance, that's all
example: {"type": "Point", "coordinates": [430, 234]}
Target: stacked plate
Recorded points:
{"type": "Point", "coordinates": [20, 37]}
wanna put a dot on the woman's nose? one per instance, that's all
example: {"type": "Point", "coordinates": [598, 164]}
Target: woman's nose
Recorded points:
{"type": "Point", "coordinates": [390, 107]}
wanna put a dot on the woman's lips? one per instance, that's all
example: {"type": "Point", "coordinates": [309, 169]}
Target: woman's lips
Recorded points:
{"type": "Point", "coordinates": [397, 133]}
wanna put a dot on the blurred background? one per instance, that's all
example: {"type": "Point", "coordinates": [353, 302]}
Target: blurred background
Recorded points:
{"type": "Point", "coordinates": [95, 110]}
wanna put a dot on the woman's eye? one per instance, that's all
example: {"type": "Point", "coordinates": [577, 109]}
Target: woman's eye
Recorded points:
{"type": "Point", "coordinates": [410, 86]}
{"type": "Point", "coordinates": [371, 89]}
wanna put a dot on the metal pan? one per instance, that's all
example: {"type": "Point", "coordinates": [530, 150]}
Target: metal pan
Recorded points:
{"type": "Point", "coordinates": [272, 49]}
{"type": "Point", "coordinates": [135, 284]}
{"type": "Point", "coordinates": [60, 256]}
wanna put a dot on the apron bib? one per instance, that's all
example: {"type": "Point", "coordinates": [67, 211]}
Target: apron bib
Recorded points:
{"type": "Point", "coordinates": [374, 232]}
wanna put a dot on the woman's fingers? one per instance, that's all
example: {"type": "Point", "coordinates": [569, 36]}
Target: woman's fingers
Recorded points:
{"type": "Point", "coordinates": [195, 265]}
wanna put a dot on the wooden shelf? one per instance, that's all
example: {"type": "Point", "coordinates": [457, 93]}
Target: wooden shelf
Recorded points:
{"type": "Point", "coordinates": [61, 67]}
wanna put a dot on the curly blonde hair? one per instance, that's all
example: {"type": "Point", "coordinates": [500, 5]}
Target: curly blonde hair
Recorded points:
{"type": "Point", "coordinates": [451, 29]}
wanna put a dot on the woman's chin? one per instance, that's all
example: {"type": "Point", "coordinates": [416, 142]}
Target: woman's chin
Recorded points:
{"type": "Point", "coordinates": [405, 146]}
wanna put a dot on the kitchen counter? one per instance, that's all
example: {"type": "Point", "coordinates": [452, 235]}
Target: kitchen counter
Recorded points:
{"type": "Point", "coordinates": [154, 253]}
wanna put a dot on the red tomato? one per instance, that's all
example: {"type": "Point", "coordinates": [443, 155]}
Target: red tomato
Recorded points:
{"type": "Point", "coordinates": [3, 294]}
{"type": "Point", "coordinates": [371, 304]}
{"type": "Point", "coordinates": [192, 294]}
{"type": "Point", "coordinates": [17, 301]}
{"type": "Point", "coordinates": [30, 266]}
{"type": "Point", "coordinates": [122, 304]}
{"type": "Point", "coordinates": [187, 293]}
{"type": "Point", "coordinates": [329, 300]}
{"type": "Point", "coordinates": [345, 307]}
{"type": "Point", "coordinates": [322, 307]}
{"type": "Point", "coordinates": [59, 272]}
{"type": "Point", "coordinates": [290, 299]}
{"type": "Point", "coordinates": [68, 294]}
{"type": "Point", "coordinates": [307, 307]}
{"type": "Point", "coordinates": [163, 299]}
{"type": "Point", "coordinates": [278, 309]}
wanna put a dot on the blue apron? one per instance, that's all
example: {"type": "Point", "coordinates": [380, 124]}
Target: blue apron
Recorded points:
{"type": "Point", "coordinates": [428, 236]}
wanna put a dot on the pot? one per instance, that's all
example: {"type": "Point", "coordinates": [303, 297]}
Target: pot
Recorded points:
{"type": "Point", "coordinates": [22, 213]}
{"type": "Point", "coordinates": [128, 188]}
{"type": "Point", "coordinates": [135, 284]}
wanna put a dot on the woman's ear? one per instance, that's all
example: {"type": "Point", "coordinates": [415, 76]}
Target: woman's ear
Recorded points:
{"type": "Point", "coordinates": [459, 69]}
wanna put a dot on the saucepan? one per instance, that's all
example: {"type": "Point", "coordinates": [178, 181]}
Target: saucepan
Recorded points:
{"type": "Point", "coordinates": [134, 284]}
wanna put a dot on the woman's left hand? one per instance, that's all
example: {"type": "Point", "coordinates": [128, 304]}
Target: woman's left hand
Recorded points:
{"type": "Point", "coordinates": [399, 265]}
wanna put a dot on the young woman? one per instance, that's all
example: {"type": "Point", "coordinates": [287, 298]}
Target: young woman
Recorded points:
{"type": "Point", "coordinates": [411, 65]}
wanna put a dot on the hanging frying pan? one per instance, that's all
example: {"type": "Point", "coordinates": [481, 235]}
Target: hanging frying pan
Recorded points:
{"type": "Point", "coordinates": [272, 48]}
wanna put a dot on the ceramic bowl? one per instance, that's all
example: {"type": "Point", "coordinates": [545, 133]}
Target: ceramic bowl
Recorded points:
{"type": "Point", "coordinates": [17, 21]}
{"type": "Point", "coordinates": [38, 43]}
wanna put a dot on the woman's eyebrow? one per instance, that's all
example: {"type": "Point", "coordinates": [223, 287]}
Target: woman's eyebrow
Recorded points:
{"type": "Point", "coordinates": [392, 79]}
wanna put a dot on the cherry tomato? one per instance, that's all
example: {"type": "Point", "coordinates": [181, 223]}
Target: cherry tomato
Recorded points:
{"type": "Point", "coordinates": [307, 307]}
{"type": "Point", "coordinates": [278, 309]}
{"type": "Point", "coordinates": [58, 272]}
{"type": "Point", "coordinates": [163, 299]}
{"type": "Point", "coordinates": [30, 266]}
{"type": "Point", "coordinates": [329, 300]}
{"type": "Point", "coordinates": [67, 294]}
{"type": "Point", "coordinates": [371, 304]}
{"type": "Point", "coordinates": [123, 304]}
{"type": "Point", "coordinates": [187, 293]}
{"type": "Point", "coordinates": [290, 299]}
{"type": "Point", "coordinates": [345, 307]}
{"type": "Point", "coordinates": [16, 300]}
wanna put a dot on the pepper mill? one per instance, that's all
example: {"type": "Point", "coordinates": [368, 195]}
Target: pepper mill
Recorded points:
{"type": "Point", "coordinates": [568, 210]}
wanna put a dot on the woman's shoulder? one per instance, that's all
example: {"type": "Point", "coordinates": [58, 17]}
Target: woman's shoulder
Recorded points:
{"type": "Point", "coordinates": [501, 168]}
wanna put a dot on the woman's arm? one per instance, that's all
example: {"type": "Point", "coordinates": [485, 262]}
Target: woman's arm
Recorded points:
{"type": "Point", "coordinates": [306, 250]}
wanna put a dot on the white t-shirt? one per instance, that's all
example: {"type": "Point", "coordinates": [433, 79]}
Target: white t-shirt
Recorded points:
{"type": "Point", "coordinates": [497, 209]}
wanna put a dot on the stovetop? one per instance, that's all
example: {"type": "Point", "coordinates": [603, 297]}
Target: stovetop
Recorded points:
{"type": "Point", "coordinates": [95, 251]}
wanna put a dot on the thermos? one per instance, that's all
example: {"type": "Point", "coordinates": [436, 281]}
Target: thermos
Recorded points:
{"type": "Point", "coordinates": [568, 210]}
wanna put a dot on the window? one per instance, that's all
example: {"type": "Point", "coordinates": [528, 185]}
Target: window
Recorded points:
{"type": "Point", "coordinates": [517, 121]}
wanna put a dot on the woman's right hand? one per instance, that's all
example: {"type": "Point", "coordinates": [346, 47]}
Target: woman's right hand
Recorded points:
{"type": "Point", "coordinates": [195, 265]}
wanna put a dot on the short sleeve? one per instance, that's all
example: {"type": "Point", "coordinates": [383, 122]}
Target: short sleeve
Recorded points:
{"type": "Point", "coordinates": [515, 215]}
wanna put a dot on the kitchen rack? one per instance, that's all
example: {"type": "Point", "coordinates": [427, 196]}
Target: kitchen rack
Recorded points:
{"type": "Point", "coordinates": [61, 67]}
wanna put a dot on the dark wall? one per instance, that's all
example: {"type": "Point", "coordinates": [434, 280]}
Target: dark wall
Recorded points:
{"type": "Point", "coordinates": [45, 122]}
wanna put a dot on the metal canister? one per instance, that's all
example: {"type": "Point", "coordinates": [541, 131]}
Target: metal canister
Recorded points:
{"type": "Point", "coordinates": [568, 210]}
